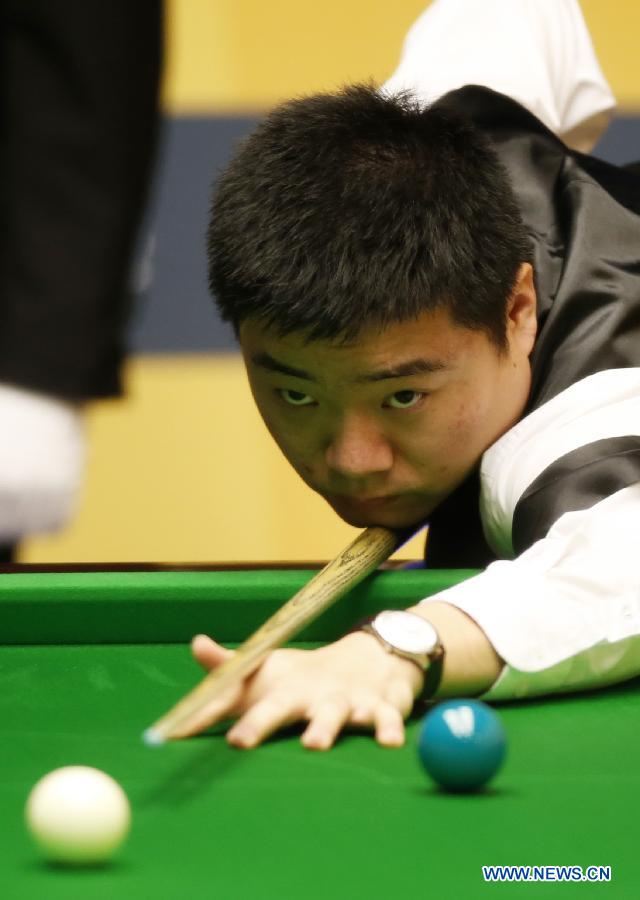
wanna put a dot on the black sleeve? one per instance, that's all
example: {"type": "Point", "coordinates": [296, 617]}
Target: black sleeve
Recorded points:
{"type": "Point", "coordinates": [79, 114]}
{"type": "Point", "coordinates": [575, 481]}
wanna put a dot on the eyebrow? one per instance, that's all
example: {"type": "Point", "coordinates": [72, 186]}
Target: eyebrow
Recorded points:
{"type": "Point", "coordinates": [419, 366]}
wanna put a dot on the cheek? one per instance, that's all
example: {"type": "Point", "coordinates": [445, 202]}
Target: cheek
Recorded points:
{"type": "Point", "coordinates": [283, 436]}
{"type": "Point", "coordinates": [468, 419]}
{"type": "Point", "coordinates": [265, 405]}
{"type": "Point", "coordinates": [459, 437]}
{"type": "Point", "coordinates": [297, 433]}
{"type": "Point", "coordinates": [293, 441]}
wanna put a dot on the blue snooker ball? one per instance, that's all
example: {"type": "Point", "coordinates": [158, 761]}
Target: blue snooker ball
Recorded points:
{"type": "Point", "coordinates": [462, 744]}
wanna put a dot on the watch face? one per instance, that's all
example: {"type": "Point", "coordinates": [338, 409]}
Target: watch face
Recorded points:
{"type": "Point", "coordinates": [406, 631]}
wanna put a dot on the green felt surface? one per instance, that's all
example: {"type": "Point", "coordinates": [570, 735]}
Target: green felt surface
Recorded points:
{"type": "Point", "coordinates": [280, 822]}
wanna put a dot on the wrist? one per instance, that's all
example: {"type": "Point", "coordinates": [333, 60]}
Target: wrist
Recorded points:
{"type": "Point", "coordinates": [472, 664]}
{"type": "Point", "coordinates": [413, 639]}
{"type": "Point", "coordinates": [376, 658]}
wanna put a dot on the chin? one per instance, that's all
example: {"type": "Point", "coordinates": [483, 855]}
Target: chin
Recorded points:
{"type": "Point", "coordinates": [387, 518]}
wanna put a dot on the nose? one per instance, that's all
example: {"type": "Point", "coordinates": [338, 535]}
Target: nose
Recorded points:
{"type": "Point", "coordinates": [358, 450]}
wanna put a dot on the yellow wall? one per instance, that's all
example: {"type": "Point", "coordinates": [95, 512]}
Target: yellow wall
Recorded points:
{"type": "Point", "coordinates": [615, 26]}
{"type": "Point", "coordinates": [229, 55]}
{"type": "Point", "coordinates": [182, 468]}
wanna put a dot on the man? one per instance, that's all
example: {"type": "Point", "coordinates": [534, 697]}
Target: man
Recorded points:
{"type": "Point", "coordinates": [439, 305]}
{"type": "Point", "coordinates": [80, 113]}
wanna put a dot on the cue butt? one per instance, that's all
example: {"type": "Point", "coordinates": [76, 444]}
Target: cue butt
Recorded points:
{"type": "Point", "coordinates": [361, 557]}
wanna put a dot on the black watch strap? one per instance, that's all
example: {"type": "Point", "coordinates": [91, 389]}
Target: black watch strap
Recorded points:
{"type": "Point", "coordinates": [432, 677]}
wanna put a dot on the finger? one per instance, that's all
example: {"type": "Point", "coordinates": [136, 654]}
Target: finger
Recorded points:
{"type": "Point", "coordinates": [261, 721]}
{"type": "Point", "coordinates": [208, 653]}
{"type": "Point", "coordinates": [389, 725]}
{"type": "Point", "coordinates": [326, 723]}
{"type": "Point", "coordinates": [362, 713]}
{"type": "Point", "coordinates": [399, 693]}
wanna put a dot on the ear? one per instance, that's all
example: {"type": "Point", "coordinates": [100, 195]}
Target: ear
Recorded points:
{"type": "Point", "coordinates": [522, 322]}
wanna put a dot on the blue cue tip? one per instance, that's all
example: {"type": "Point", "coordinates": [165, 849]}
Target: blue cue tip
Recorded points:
{"type": "Point", "coordinates": [152, 739]}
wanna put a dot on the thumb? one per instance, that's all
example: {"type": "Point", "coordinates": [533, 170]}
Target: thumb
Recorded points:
{"type": "Point", "coordinates": [209, 654]}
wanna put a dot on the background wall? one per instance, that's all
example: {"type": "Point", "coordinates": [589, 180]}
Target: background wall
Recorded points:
{"type": "Point", "coordinates": [182, 469]}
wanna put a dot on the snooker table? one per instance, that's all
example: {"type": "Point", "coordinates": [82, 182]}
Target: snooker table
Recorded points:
{"type": "Point", "coordinates": [90, 657]}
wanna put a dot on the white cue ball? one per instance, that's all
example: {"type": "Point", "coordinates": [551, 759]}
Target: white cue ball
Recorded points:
{"type": "Point", "coordinates": [78, 815]}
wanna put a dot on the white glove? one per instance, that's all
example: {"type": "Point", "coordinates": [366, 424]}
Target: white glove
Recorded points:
{"type": "Point", "coordinates": [42, 459]}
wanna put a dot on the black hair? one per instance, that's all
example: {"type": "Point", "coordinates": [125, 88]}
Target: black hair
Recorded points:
{"type": "Point", "coordinates": [354, 210]}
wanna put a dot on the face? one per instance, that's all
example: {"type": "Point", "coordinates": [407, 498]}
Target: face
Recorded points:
{"type": "Point", "coordinates": [386, 427]}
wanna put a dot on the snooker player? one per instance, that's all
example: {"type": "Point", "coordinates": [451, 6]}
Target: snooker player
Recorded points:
{"type": "Point", "coordinates": [437, 297]}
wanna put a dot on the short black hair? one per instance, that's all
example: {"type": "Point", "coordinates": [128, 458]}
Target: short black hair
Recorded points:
{"type": "Point", "coordinates": [353, 210]}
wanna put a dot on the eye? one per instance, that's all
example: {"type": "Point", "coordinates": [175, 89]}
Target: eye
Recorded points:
{"type": "Point", "coordinates": [405, 399]}
{"type": "Point", "coordinates": [296, 398]}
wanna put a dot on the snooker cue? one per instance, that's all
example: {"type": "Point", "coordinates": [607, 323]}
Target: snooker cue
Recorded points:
{"type": "Point", "coordinates": [361, 557]}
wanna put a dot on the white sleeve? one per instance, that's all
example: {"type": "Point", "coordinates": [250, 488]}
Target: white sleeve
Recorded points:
{"type": "Point", "coordinates": [42, 455]}
{"type": "Point", "coordinates": [565, 615]}
{"type": "Point", "coordinates": [538, 52]}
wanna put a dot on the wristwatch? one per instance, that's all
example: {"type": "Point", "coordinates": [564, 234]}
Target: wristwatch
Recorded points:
{"type": "Point", "coordinates": [410, 636]}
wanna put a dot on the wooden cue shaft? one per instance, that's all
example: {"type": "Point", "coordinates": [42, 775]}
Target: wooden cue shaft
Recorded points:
{"type": "Point", "coordinates": [361, 557]}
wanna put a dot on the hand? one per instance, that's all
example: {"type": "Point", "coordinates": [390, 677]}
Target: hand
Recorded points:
{"type": "Point", "coordinates": [353, 681]}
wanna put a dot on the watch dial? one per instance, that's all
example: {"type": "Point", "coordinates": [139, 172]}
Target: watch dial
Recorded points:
{"type": "Point", "coordinates": [406, 631]}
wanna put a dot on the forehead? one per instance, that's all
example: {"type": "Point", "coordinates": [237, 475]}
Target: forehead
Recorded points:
{"type": "Point", "coordinates": [432, 340]}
